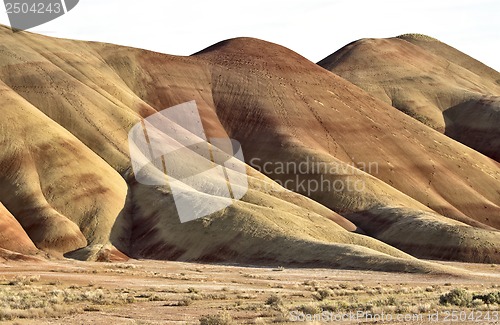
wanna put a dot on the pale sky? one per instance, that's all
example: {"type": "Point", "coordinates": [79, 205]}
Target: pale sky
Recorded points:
{"type": "Point", "coordinates": [313, 28]}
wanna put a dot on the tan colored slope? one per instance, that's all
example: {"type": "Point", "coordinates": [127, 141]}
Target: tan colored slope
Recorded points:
{"type": "Point", "coordinates": [63, 195]}
{"type": "Point", "coordinates": [278, 233]}
{"type": "Point", "coordinates": [69, 83]}
{"type": "Point", "coordinates": [269, 104]}
{"type": "Point", "coordinates": [66, 197]}
{"type": "Point", "coordinates": [287, 103]}
{"type": "Point", "coordinates": [453, 55]}
{"type": "Point", "coordinates": [269, 98]}
{"type": "Point", "coordinates": [269, 95]}
{"type": "Point", "coordinates": [424, 78]}
{"type": "Point", "coordinates": [296, 111]}
{"type": "Point", "coordinates": [478, 119]}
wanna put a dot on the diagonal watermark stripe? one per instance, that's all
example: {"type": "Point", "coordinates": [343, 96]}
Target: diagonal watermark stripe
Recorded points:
{"type": "Point", "coordinates": [170, 148]}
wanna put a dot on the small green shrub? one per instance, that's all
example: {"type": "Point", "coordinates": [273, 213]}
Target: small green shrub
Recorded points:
{"type": "Point", "coordinates": [456, 297]}
{"type": "Point", "coordinates": [489, 298]}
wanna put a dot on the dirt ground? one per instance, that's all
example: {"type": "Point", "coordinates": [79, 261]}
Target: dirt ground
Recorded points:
{"type": "Point", "coordinates": [156, 292]}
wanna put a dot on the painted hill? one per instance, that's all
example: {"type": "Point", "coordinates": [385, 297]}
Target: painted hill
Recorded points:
{"type": "Point", "coordinates": [430, 81]}
{"type": "Point", "coordinates": [66, 176]}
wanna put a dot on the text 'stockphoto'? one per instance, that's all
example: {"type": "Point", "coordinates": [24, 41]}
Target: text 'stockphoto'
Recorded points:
{"type": "Point", "coordinates": [224, 163]}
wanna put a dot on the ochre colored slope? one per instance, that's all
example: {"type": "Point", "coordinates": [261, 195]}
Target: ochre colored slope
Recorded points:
{"type": "Point", "coordinates": [67, 197]}
{"type": "Point", "coordinates": [13, 237]}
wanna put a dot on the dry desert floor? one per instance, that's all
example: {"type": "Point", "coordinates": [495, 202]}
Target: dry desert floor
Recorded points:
{"type": "Point", "coordinates": [155, 292]}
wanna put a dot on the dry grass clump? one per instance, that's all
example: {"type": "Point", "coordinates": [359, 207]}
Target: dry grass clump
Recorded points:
{"type": "Point", "coordinates": [417, 37]}
{"type": "Point", "coordinates": [125, 266]}
{"type": "Point", "coordinates": [24, 280]}
{"type": "Point", "coordinates": [462, 298]}
{"type": "Point", "coordinates": [223, 318]}
{"type": "Point", "coordinates": [274, 300]}
{"type": "Point", "coordinates": [184, 302]}
{"type": "Point", "coordinates": [322, 294]}
{"type": "Point", "coordinates": [22, 298]}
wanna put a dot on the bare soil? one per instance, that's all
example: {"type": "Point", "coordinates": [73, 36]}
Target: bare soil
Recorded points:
{"type": "Point", "coordinates": [157, 292]}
